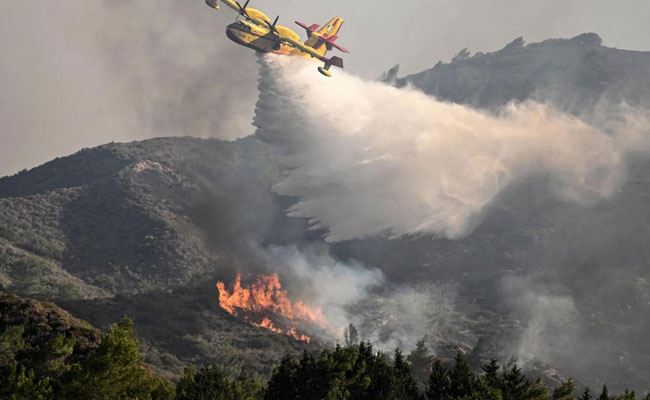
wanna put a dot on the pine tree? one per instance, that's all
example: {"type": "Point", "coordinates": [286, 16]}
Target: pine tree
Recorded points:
{"type": "Point", "coordinates": [210, 382]}
{"type": "Point", "coordinates": [282, 384]}
{"type": "Point", "coordinates": [115, 370]}
{"type": "Point", "coordinates": [627, 395]}
{"type": "Point", "coordinates": [565, 391]}
{"type": "Point", "coordinates": [492, 378]}
{"type": "Point", "coordinates": [461, 377]}
{"type": "Point", "coordinates": [248, 388]}
{"type": "Point", "coordinates": [405, 384]}
{"type": "Point", "coordinates": [586, 395]}
{"type": "Point", "coordinates": [421, 360]}
{"type": "Point", "coordinates": [604, 395]}
{"type": "Point", "coordinates": [536, 391]}
{"type": "Point", "coordinates": [515, 384]}
{"type": "Point", "coordinates": [439, 385]}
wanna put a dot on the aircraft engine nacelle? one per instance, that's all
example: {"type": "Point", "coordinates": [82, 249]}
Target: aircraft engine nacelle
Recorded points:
{"type": "Point", "coordinates": [325, 72]}
{"type": "Point", "coordinates": [259, 21]}
{"type": "Point", "coordinates": [335, 61]}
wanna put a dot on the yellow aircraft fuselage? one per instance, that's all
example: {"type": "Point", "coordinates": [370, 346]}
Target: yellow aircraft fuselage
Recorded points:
{"type": "Point", "coordinates": [256, 31]}
{"type": "Point", "coordinates": [262, 39]}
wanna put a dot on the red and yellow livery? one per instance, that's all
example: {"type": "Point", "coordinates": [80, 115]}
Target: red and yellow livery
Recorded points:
{"type": "Point", "coordinates": [256, 31]}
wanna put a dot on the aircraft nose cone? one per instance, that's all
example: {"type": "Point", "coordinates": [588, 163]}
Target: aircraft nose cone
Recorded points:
{"type": "Point", "coordinates": [212, 3]}
{"type": "Point", "coordinates": [232, 33]}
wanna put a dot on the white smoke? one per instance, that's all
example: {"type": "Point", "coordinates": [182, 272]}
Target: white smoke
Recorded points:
{"type": "Point", "coordinates": [386, 315]}
{"type": "Point", "coordinates": [400, 316]}
{"type": "Point", "coordinates": [332, 285]}
{"type": "Point", "coordinates": [551, 328]}
{"type": "Point", "coordinates": [364, 158]}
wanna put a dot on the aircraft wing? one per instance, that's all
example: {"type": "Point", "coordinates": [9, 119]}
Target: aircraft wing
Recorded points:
{"type": "Point", "coordinates": [331, 44]}
{"type": "Point", "coordinates": [234, 6]}
{"type": "Point", "coordinates": [251, 14]}
{"type": "Point", "coordinates": [333, 61]}
{"type": "Point", "coordinates": [298, 44]}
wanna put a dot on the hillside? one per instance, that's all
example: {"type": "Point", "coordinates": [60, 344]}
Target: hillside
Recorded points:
{"type": "Point", "coordinates": [147, 228]}
{"type": "Point", "coordinates": [46, 354]}
{"type": "Point", "coordinates": [128, 218]}
{"type": "Point", "coordinates": [552, 265]}
{"type": "Point", "coordinates": [41, 322]}
{"type": "Point", "coordinates": [576, 75]}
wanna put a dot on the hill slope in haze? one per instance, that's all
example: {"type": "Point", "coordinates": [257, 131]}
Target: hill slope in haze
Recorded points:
{"type": "Point", "coordinates": [576, 276]}
{"type": "Point", "coordinates": [576, 75]}
{"type": "Point", "coordinates": [147, 228]}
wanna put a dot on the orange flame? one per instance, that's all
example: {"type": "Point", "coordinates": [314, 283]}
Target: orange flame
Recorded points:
{"type": "Point", "coordinates": [266, 296]}
{"type": "Point", "coordinates": [268, 324]}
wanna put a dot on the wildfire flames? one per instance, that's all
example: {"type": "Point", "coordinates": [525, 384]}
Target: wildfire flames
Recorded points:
{"type": "Point", "coordinates": [264, 304]}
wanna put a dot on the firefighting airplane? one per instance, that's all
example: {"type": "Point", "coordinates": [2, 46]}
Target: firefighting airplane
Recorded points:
{"type": "Point", "coordinates": [257, 32]}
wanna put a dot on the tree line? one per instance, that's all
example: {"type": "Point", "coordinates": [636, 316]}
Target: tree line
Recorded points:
{"type": "Point", "coordinates": [53, 369]}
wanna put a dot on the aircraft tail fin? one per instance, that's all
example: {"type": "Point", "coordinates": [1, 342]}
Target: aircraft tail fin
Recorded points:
{"type": "Point", "coordinates": [322, 40]}
{"type": "Point", "coordinates": [331, 28]}
{"type": "Point", "coordinates": [335, 61]}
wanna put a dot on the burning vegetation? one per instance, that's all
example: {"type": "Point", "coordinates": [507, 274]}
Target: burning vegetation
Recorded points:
{"type": "Point", "coordinates": [263, 303]}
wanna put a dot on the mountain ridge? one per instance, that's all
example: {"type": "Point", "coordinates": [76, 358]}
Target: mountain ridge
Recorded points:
{"type": "Point", "coordinates": [149, 227]}
{"type": "Point", "coordinates": [575, 75]}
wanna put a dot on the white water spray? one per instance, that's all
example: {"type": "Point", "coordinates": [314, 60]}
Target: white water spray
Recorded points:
{"type": "Point", "coordinates": [364, 158]}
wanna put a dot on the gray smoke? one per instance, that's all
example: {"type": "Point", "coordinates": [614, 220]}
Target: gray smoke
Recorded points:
{"type": "Point", "coordinates": [387, 315]}
{"type": "Point", "coordinates": [551, 327]}
{"type": "Point", "coordinates": [365, 160]}
{"type": "Point", "coordinates": [79, 74]}
{"type": "Point", "coordinates": [399, 315]}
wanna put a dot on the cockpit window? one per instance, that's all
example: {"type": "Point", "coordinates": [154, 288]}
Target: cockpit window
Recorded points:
{"type": "Point", "coordinates": [244, 27]}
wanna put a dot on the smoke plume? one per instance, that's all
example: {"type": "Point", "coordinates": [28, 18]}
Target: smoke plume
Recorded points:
{"type": "Point", "coordinates": [389, 316]}
{"type": "Point", "coordinates": [365, 159]}
{"type": "Point", "coordinates": [551, 329]}
{"type": "Point", "coordinates": [332, 285]}
{"type": "Point", "coordinates": [79, 74]}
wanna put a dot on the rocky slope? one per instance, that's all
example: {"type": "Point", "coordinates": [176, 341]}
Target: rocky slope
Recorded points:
{"type": "Point", "coordinates": [147, 228]}
{"type": "Point", "coordinates": [575, 75]}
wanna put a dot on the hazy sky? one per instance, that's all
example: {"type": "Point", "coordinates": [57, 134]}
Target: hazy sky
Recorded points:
{"type": "Point", "coordinates": [78, 73]}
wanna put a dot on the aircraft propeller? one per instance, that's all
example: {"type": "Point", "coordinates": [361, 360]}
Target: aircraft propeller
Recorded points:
{"type": "Point", "coordinates": [272, 25]}
{"type": "Point", "coordinates": [242, 10]}
{"type": "Point", "coordinates": [273, 29]}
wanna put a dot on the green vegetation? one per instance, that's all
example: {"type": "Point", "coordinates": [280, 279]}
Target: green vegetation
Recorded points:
{"type": "Point", "coordinates": [145, 229]}
{"type": "Point", "coordinates": [115, 371]}
{"type": "Point", "coordinates": [51, 369]}
{"type": "Point", "coordinates": [211, 382]}
{"type": "Point", "coordinates": [346, 373]}
{"type": "Point", "coordinates": [27, 272]}
{"type": "Point", "coordinates": [47, 354]}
